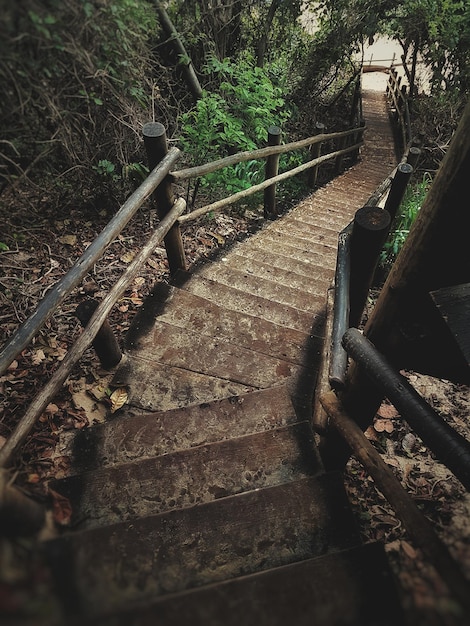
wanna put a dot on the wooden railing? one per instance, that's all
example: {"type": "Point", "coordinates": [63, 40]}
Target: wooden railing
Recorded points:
{"type": "Point", "coordinates": [398, 98]}
{"type": "Point", "coordinates": [159, 184]}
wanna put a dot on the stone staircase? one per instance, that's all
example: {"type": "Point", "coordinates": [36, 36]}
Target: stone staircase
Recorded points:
{"type": "Point", "coordinates": [204, 500]}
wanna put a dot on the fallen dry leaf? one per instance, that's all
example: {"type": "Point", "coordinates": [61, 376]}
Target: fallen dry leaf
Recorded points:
{"type": "Point", "coordinates": [118, 399]}
{"type": "Point", "coordinates": [68, 240]}
{"type": "Point", "coordinates": [383, 425]}
{"type": "Point", "coordinates": [127, 257]}
{"type": "Point", "coordinates": [61, 508]}
{"type": "Point", "coordinates": [387, 411]}
{"type": "Point", "coordinates": [38, 357]}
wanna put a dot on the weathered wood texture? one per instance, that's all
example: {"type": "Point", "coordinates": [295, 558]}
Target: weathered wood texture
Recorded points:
{"type": "Point", "coordinates": [210, 472]}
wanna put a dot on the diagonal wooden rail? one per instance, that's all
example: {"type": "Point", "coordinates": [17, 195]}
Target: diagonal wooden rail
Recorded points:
{"type": "Point", "coordinates": [204, 500]}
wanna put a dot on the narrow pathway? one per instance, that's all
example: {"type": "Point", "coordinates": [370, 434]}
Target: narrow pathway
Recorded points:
{"type": "Point", "coordinates": [205, 501]}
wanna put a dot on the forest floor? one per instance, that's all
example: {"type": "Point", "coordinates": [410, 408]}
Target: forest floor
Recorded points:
{"type": "Point", "coordinates": [40, 245]}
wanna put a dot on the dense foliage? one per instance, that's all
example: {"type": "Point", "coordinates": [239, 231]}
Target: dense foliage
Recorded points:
{"type": "Point", "coordinates": [80, 78]}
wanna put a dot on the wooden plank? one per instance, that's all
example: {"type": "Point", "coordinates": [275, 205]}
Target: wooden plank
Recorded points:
{"type": "Point", "coordinates": [183, 309]}
{"type": "Point", "coordinates": [453, 304]}
{"type": "Point", "coordinates": [189, 477]}
{"type": "Point", "coordinates": [270, 289]}
{"type": "Point", "coordinates": [307, 277]}
{"type": "Point", "coordinates": [106, 568]}
{"type": "Point", "coordinates": [213, 356]}
{"type": "Point", "coordinates": [295, 246]}
{"type": "Point", "coordinates": [133, 434]}
{"type": "Point", "coordinates": [260, 304]}
{"type": "Point", "coordinates": [160, 387]}
{"type": "Point", "coordinates": [320, 236]}
{"type": "Point", "coordinates": [305, 594]}
{"type": "Point", "coordinates": [281, 254]}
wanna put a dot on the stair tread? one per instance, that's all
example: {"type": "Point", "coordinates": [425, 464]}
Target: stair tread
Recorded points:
{"type": "Point", "coordinates": [103, 569]}
{"type": "Point", "coordinates": [134, 434]}
{"type": "Point", "coordinates": [285, 256]}
{"type": "Point", "coordinates": [186, 310]}
{"type": "Point", "coordinates": [159, 387]}
{"type": "Point", "coordinates": [192, 476]}
{"type": "Point", "coordinates": [270, 289]}
{"type": "Point", "coordinates": [262, 305]}
{"type": "Point", "coordinates": [302, 593]}
{"type": "Point", "coordinates": [307, 277]}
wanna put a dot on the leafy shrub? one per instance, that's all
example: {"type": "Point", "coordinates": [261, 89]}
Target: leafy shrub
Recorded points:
{"type": "Point", "coordinates": [412, 201]}
{"type": "Point", "coordinates": [233, 117]}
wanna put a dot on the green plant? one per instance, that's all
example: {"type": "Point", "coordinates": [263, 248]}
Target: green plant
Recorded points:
{"type": "Point", "coordinates": [233, 117]}
{"type": "Point", "coordinates": [414, 197]}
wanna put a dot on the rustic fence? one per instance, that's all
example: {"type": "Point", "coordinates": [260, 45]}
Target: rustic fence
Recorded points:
{"type": "Point", "coordinates": [159, 186]}
{"type": "Point", "coordinates": [397, 93]}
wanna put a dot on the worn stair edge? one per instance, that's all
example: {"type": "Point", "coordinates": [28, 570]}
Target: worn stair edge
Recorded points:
{"type": "Point", "coordinates": [189, 477]}
{"type": "Point", "coordinates": [354, 587]}
{"type": "Point", "coordinates": [183, 309]}
{"type": "Point", "coordinates": [270, 290]}
{"type": "Point", "coordinates": [310, 279]}
{"type": "Point", "coordinates": [133, 434]}
{"type": "Point", "coordinates": [275, 238]}
{"type": "Point", "coordinates": [104, 569]}
{"type": "Point", "coordinates": [159, 387]}
{"type": "Point", "coordinates": [268, 308]}
{"type": "Point", "coordinates": [327, 239]}
{"type": "Point", "coordinates": [288, 257]}
{"type": "Point", "coordinates": [215, 356]}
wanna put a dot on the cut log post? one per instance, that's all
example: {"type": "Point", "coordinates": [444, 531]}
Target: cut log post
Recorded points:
{"type": "Point", "coordinates": [343, 143]}
{"type": "Point", "coordinates": [419, 528]}
{"type": "Point", "coordinates": [434, 255]}
{"type": "Point", "coordinates": [271, 170]}
{"type": "Point", "coordinates": [370, 229]}
{"type": "Point", "coordinates": [397, 190]}
{"type": "Point", "coordinates": [105, 343]}
{"type": "Point", "coordinates": [413, 155]}
{"type": "Point", "coordinates": [156, 147]}
{"type": "Point", "coordinates": [320, 417]}
{"type": "Point", "coordinates": [315, 151]}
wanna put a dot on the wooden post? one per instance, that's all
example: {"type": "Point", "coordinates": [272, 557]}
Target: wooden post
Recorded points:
{"type": "Point", "coordinates": [435, 254]}
{"type": "Point", "coordinates": [358, 137]}
{"type": "Point", "coordinates": [413, 156]}
{"type": "Point", "coordinates": [343, 142]}
{"type": "Point", "coordinates": [105, 343]}
{"type": "Point", "coordinates": [156, 147]}
{"type": "Point", "coordinates": [271, 170]}
{"type": "Point", "coordinates": [370, 230]}
{"type": "Point", "coordinates": [19, 514]}
{"type": "Point", "coordinates": [419, 528]}
{"type": "Point", "coordinates": [397, 190]}
{"type": "Point", "coordinates": [339, 358]}
{"type": "Point", "coordinates": [316, 151]}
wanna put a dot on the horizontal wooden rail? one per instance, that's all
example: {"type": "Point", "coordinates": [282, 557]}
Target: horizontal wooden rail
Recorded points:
{"type": "Point", "coordinates": [220, 204]}
{"type": "Point", "coordinates": [75, 275]}
{"type": "Point", "coordinates": [261, 153]}
{"type": "Point", "coordinates": [418, 526]}
{"type": "Point", "coordinates": [40, 402]}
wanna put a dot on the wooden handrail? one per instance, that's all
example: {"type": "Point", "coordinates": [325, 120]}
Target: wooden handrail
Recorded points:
{"type": "Point", "coordinates": [261, 153]}
{"type": "Point", "coordinates": [75, 275]}
{"type": "Point", "coordinates": [42, 399]}
{"type": "Point", "coordinates": [216, 206]}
